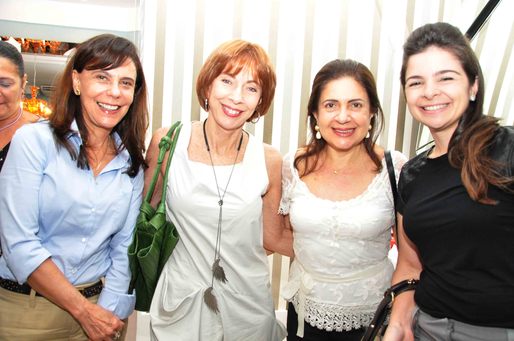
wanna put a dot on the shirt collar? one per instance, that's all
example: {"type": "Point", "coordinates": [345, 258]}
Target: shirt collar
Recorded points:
{"type": "Point", "coordinates": [121, 160]}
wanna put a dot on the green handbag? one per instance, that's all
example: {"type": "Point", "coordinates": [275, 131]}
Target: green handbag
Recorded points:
{"type": "Point", "coordinates": [154, 237]}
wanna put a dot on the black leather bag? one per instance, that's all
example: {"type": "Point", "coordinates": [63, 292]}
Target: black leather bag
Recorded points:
{"type": "Point", "coordinates": [377, 326]}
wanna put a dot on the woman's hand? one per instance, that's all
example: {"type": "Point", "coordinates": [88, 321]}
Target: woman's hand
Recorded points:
{"type": "Point", "coordinates": [396, 332]}
{"type": "Point", "coordinates": [98, 323]}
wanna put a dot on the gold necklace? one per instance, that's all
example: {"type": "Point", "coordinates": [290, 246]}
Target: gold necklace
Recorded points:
{"type": "Point", "coordinates": [100, 161]}
{"type": "Point", "coordinates": [217, 269]}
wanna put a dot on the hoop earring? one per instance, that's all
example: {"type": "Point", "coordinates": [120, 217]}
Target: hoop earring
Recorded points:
{"type": "Point", "coordinates": [318, 134]}
{"type": "Point", "coordinates": [253, 120]}
{"type": "Point", "coordinates": [77, 91]}
{"type": "Point", "coordinates": [206, 104]}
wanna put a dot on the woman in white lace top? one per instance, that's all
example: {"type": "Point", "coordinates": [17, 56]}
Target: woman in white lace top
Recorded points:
{"type": "Point", "coordinates": [338, 201]}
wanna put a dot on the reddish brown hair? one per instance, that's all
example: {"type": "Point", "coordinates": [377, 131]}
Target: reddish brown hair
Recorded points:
{"type": "Point", "coordinates": [230, 58]}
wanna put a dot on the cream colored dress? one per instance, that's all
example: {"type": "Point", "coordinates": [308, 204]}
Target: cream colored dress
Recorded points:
{"type": "Point", "coordinates": [246, 310]}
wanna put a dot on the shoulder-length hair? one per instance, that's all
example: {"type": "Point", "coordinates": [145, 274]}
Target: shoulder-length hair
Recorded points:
{"type": "Point", "coordinates": [230, 58]}
{"type": "Point", "coordinates": [331, 71]}
{"type": "Point", "coordinates": [102, 52]}
{"type": "Point", "coordinates": [469, 145]}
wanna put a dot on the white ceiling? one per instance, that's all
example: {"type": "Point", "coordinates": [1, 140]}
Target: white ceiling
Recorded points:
{"type": "Point", "coordinates": [115, 3]}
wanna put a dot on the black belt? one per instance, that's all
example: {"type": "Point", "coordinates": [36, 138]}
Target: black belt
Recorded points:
{"type": "Point", "coordinates": [13, 286]}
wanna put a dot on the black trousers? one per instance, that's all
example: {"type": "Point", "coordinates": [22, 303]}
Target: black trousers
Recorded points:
{"type": "Point", "coordinates": [314, 334]}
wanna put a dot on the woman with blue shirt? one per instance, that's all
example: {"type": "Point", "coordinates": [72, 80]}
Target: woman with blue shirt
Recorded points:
{"type": "Point", "coordinates": [71, 190]}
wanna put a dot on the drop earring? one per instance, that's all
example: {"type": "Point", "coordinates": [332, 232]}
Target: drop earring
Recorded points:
{"type": "Point", "coordinates": [318, 134]}
{"type": "Point", "coordinates": [369, 129]}
{"type": "Point", "coordinates": [206, 104]}
{"type": "Point", "coordinates": [472, 97]}
{"type": "Point", "coordinates": [77, 91]}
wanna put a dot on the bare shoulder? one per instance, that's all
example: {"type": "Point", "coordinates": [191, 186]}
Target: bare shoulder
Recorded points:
{"type": "Point", "coordinates": [159, 133]}
{"type": "Point", "coordinates": [272, 155]}
{"type": "Point", "coordinates": [157, 136]}
{"type": "Point", "coordinates": [29, 117]}
{"type": "Point", "coordinates": [379, 150]}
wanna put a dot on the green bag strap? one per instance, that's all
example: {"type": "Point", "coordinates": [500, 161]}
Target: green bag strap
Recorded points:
{"type": "Point", "coordinates": [167, 142]}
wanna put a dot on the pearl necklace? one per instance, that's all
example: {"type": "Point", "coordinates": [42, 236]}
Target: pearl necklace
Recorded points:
{"type": "Point", "coordinates": [13, 122]}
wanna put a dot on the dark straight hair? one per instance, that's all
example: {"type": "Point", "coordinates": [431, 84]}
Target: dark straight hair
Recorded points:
{"type": "Point", "coordinates": [102, 52]}
{"type": "Point", "coordinates": [469, 145]}
{"type": "Point", "coordinates": [334, 70]}
{"type": "Point", "coordinates": [8, 51]}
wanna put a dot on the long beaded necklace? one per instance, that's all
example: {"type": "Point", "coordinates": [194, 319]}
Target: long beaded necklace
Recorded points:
{"type": "Point", "coordinates": [217, 270]}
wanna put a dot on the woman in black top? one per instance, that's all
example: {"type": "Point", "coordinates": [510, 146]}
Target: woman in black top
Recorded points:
{"type": "Point", "coordinates": [456, 206]}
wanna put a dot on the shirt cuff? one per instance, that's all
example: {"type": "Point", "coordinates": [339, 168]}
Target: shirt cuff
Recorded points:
{"type": "Point", "coordinates": [22, 266]}
{"type": "Point", "coordinates": [122, 305]}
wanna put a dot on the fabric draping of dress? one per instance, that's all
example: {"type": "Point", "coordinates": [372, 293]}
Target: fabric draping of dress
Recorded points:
{"type": "Point", "coordinates": [341, 267]}
{"type": "Point", "coordinates": [246, 310]}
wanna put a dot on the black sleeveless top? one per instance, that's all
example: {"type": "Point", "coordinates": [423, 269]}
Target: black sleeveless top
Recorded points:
{"type": "Point", "coordinates": [3, 154]}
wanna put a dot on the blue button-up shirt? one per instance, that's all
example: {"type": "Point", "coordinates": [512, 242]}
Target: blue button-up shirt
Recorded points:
{"type": "Point", "coordinates": [49, 208]}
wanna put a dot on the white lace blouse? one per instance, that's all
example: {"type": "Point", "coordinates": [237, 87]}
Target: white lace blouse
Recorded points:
{"type": "Point", "coordinates": [341, 267]}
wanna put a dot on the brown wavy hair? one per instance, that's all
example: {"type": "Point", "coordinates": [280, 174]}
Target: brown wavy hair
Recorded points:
{"type": "Point", "coordinates": [469, 145]}
{"type": "Point", "coordinates": [230, 58]}
{"type": "Point", "coordinates": [333, 70]}
{"type": "Point", "coordinates": [106, 52]}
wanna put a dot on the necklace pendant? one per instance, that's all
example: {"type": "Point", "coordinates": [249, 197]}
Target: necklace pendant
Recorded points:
{"type": "Point", "coordinates": [220, 202]}
{"type": "Point", "coordinates": [210, 300]}
{"type": "Point", "coordinates": [218, 271]}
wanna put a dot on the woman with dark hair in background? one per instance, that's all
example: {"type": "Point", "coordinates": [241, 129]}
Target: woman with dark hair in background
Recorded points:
{"type": "Point", "coordinates": [456, 200]}
{"type": "Point", "coordinates": [12, 84]}
{"type": "Point", "coordinates": [71, 191]}
{"type": "Point", "coordinates": [338, 201]}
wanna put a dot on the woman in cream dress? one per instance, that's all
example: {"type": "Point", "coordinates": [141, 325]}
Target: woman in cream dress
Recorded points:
{"type": "Point", "coordinates": [223, 195]}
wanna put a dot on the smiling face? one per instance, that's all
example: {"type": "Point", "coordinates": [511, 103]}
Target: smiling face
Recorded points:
{"type": "Point", "coordinates": [437, 90]}
{"type": "Point", "coordinates": [343, 113]}
{"type": "Point", "coordinates": [11, 89]}
{"type": "Point", "coordinates": [233, 99]}
{"type": "Point", "coordinates": [105, 95]}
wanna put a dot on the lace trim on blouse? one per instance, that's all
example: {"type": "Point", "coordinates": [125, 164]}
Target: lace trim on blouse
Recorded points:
{"type": "Point", "coordinates": [331, 317]}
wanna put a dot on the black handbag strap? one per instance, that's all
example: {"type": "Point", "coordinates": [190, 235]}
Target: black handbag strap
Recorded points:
{"type": "Point", "coordinates": [392, 180]}
{"type": "Point", "coordinates": [168, 142]}
{"type": "Point", "coordinates": [384, 307]}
